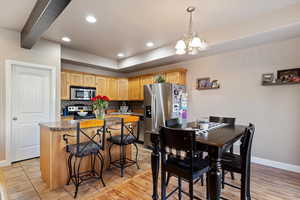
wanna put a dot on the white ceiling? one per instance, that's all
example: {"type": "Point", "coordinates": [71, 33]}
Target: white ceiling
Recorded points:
{"type": "Point", "coordinates": [125, 26]}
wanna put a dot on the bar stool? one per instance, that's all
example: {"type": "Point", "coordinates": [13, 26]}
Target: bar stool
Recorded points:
{"type": "Point", "coordinates": [122, 140]}
{"type": "Point", "coordinates": [92, 146]}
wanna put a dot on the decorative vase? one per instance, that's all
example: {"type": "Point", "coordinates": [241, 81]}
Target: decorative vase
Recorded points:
{"type": "Point", "coordinates": [100, 114]}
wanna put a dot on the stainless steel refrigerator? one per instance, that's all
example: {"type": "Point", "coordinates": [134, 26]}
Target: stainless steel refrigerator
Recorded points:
{"type": "Point", "coordinates": [162, 101]}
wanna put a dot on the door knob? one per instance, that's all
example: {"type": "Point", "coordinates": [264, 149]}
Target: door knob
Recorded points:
{"type": "Point", "coordinates": [15, 118]}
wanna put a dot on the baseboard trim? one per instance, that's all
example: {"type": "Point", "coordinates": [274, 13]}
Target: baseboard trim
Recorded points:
{"type": "Point", "coordinates": [4, 163]}
{"type": "Point", "coordinates": [275, 164]}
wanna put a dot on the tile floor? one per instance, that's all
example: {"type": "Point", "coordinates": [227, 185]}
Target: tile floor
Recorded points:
{"type": "Point", "coordinates": [23, 181]}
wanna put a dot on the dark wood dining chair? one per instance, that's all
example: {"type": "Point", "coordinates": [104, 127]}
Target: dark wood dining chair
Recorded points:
{"type": "Point", "coordinates": [86, 144]}
{"type": "Point", "coordinates": [122, 140]}
{"type": "Point", "coordinates": [173, 123]}
{"type": "Point", "coordinates": [231, 122]}
{"type": "Point", "coordinates": [240, 163]}
{"type": "Point", "coordinates": [178, 158]}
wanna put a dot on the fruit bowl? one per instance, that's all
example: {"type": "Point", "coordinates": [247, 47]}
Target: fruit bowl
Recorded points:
{"type": "Point", "coordinates": [82, 114]}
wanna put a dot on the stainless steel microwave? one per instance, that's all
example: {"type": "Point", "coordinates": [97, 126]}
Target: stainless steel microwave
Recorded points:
{"type": "Point", "coordinates": [82, 93]}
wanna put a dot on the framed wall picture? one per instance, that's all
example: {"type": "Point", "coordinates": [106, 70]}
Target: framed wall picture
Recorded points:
{"type": "Point", "coordinates": [203, 83]}
{"type": "Point", "coordinates": [268, 78]}
{"type": "Point", "coordinates": [289, 75]}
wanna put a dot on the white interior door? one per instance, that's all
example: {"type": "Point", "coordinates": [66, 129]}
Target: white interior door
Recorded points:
{"type": "Point", "coordinates": [30, 100]}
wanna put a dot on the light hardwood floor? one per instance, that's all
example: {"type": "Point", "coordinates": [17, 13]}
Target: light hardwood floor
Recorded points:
{"type": "Point", "coordinates": [22, 181]}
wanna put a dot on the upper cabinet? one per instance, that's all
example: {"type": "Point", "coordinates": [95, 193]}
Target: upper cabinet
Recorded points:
{"type": "Point", "coordinates": [117, 88]}
{"type": "Point", "coordinates": [65, 86]}
{"type": "Point", "coordinates": [177, 77]}
{"type": "Point", "coordinates": [76, 79]}
{"type": "Point", "coordinates": [145, 80]}
{"type": "Point", "coordinates": [101, 86]}
{"type": "Point", "coordinates": [89, 80]}
{"type": "Point", "coordinates": [112, 85]}
{"type": "Point", "coordinates": [122, 89]}
{"type": "Point", "coordinates": [134, 91]}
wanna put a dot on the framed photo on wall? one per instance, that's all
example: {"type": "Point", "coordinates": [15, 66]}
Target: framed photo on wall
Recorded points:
{"type": "Point", "coordinates": [203, 83]}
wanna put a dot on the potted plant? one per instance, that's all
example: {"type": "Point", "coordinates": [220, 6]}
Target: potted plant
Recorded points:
{"type": "Point", "coordinates": [100, 103]}
{"type": "Point", "coordinates": [160, 79]}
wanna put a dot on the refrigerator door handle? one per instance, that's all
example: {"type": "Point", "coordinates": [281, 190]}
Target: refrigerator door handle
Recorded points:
{"type": "Point", "coordinates": [154, 118]}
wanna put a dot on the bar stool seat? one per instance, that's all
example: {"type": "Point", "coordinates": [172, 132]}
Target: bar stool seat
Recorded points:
{"type": "Point", "coordinates": [85, 148]}
{"type": "Point", "coordinates": [127, 139]}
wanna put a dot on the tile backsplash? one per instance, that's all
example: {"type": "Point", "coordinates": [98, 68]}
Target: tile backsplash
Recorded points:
{"type": "Point", "coordinates": [133, 105]}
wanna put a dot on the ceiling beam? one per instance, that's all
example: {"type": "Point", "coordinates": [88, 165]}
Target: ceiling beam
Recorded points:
{"type": "Point", "coordinates": [42, 16]}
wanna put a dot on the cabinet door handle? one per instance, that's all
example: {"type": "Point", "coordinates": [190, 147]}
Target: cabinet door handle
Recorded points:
{"type": "Point", "coordinates": [15, 118]}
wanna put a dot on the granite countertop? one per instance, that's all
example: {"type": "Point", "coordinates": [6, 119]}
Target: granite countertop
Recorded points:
{"type": "Point", "coordinates": [127, 113]}
{"type": "Point", "coordinates": [63, 125]}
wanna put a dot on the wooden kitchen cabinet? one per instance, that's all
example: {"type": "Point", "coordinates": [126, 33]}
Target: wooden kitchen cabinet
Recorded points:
{"type": "Point", "coordinates": [134, 88]}
{"type": "Point", "coordinates": [101, 86]}
{"type": "Point", "coordinates": [89, 80]}
{"type": "Point", "coordinates": [123, 89]}
{"type": "Point", "coordinates": [145, 80]}
{"type": "Point", "coordinates": [65, 86]}
{"type": "Point", "coordinates": [117, 88]}
{"type": "Point", "coordinates": [177, 77]}
{"type": "Point", "coordinates": [76, 79]}
{"type": "Point", "coordinates": [112, 91]}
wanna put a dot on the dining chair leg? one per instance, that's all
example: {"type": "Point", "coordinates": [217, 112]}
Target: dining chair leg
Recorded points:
{"type": "Point", "coordinates": [163, 184]}
{"type": "Point", "coordinates": [223, 178]}
{"type": "Point", "coordinates": [179, 188]}
{"type": "Point", "coordinates": [248, 184]}
{"type": "Point", "coordinates": [191, 189]}
{"type": "Point", "coordinates": [231, 173]}
{"type": "Point", "coordinates": [202, 181]}
{"type": "Point", "coordinates": [207, 191]}
{"type": "Point", "coordinates": [168, 178]}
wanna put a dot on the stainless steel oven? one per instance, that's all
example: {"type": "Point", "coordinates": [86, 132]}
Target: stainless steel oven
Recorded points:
{"type": "Point", "coordinates": [82, 93]}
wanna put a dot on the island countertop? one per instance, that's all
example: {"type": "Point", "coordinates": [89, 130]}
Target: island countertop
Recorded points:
{"type": "Point", "coordinates": [65, 125]}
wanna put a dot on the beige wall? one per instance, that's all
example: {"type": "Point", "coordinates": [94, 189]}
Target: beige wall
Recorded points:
{"type": "Point", "coordinates": [44, 52]}
{"type": "Point", "coordinates": [274, 110]}
{"type": "Point", "coordinates": [93, 70]}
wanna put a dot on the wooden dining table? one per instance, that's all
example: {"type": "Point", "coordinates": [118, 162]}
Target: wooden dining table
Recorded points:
{"type": "Point", "coordinates": [216, 141]}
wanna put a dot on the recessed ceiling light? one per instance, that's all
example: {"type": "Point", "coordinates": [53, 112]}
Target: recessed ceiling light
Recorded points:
{"type": "Point", "coordinates": [149, 44]}
{"type": "Point", "coordinates": [91, 19]}
{"type": "Point", "coordinates": [66, 39]}
{"type": "Point", "coordinates": [120, 55]}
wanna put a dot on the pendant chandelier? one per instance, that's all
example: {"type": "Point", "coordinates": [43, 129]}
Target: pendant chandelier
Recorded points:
{"type": "Point", "coordinates": [190, 43]}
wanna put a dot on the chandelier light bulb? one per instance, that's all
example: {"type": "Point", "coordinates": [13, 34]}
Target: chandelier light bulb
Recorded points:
{"type": "Point", "coordinates": [180, 45]}
{"type": "Point", "coordinates": [196, 42]}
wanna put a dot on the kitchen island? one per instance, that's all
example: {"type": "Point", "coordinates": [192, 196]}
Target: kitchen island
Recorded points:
{"type": "Point", "coordinates": [53, 156]}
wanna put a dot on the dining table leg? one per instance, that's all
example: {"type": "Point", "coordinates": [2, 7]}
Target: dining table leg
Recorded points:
{"type": "Point", "coordinates": [155, 164]}
{"type": "Point", "coordinates": [215, 173]}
